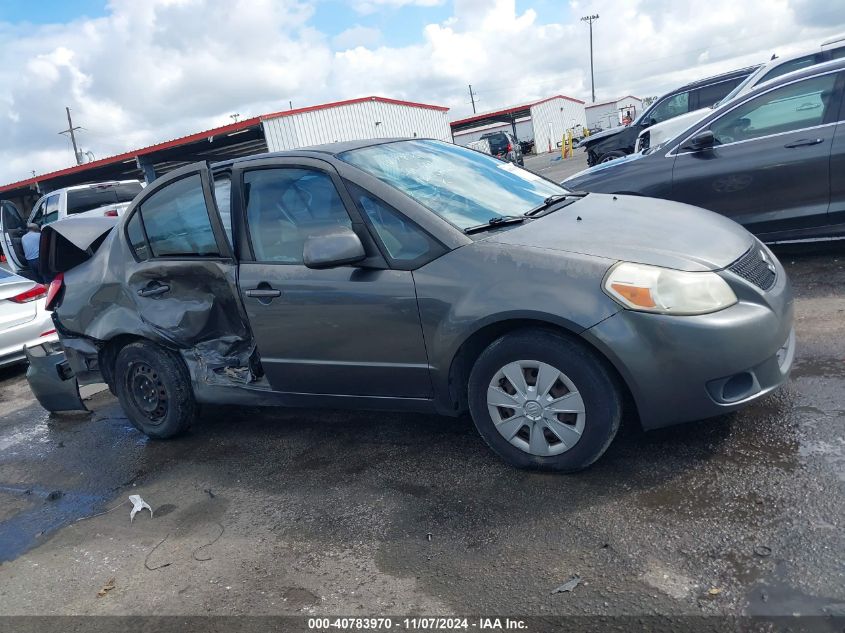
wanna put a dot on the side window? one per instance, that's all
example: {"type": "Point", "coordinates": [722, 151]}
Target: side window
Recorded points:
{"type": "Point", "coordinates": [285, 206]}
{"type": "Point", "coordinates": [175, 219]}
{"type": "Point", "coordinates": [38, 216]}
{"type": "Point", "coordinates": [137, 240]}
{"type": "Point", "coordinates": [402, 239]}
{"type": "Point", "coordinates": [51, 209]}
{"type": "Point", "coordinates": [707, 96]}
{"type": "Point", "coordinates": [670, 108]}
{"type": "Point", "coordinates": [788, 67]}
{"type": "Point", "coordinates": [785, 109]}
{"type": "Point", "coordinates": [223, 198]}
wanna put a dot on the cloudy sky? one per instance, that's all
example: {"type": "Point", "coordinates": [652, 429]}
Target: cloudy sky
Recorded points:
{"type": "Point", "coordinates": [139, 72]}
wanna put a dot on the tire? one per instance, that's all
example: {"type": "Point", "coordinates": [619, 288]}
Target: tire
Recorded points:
{"type": "Point", "coordinates": [154, 389]}
{"type": "Point", "coordinates": [606, 158]}
{"type": "Point", "coordinates": [578, 439]}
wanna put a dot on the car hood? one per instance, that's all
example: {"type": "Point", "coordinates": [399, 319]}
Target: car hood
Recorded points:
{"type": "Point", "coordinates": [635, 229]}
{"type": "Point", "coordinates": [600, 135]}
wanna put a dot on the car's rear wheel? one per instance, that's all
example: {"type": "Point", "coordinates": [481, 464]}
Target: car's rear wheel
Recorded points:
{"type": "Point", "coordinates": [606, 158]}
{"type": "Point", "coordinates": [154, 389]}
{"type": "Point", "coordinates": [544, 401]}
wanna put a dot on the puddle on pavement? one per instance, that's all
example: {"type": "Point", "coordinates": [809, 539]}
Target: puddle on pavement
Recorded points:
{"type": "Point", "coordinates": [43, 512]}
{"type": "Point", "coordinates": [775, 596]}
{"type": "Point", "coordinates": [831, 451]}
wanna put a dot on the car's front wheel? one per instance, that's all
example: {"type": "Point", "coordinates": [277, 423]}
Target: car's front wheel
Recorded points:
{"type": "Point", "coordinates": [154, 389]}
{"type": "Point", "coordinates": [544, 401]}
{"type": "Point", "coordinates": [606, 158]}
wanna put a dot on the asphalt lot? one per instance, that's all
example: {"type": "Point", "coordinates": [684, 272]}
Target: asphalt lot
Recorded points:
{"type": "Point", "coordinates": [313, 512]}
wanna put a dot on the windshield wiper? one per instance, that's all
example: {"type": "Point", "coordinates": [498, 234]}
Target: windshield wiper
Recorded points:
{"type": "Point", "coordinates": [493, 222]}
{"type": "Point", "coordinates": [561, 197]}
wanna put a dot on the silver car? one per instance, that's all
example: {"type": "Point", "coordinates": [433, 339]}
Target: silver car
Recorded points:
{"type": "Point", "coordinates": [23, 319]}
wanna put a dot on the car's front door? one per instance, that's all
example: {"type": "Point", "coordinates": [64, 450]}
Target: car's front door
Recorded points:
{"type": "Point", "coordinates": [351, 330]}
{"type": "Point", "coordinates": [13, 228]}
{"type": "Point", "coordinates": [769, 168]}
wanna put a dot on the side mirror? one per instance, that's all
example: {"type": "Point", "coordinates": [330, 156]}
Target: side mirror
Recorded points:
{"type": "Point", "coordinates": [702, 140]}
{"type": "Point", "coordinates": [647, 123]}
{"type": "Point", "coordinates": [335, 246]}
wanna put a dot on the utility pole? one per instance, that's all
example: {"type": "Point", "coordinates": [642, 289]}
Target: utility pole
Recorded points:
{"type": "Point", "coordinates": [70, 130]}
{"type": "Point", "coordinates": [590, 19]}
{"type": "Point", "coordinates": [472, 98]}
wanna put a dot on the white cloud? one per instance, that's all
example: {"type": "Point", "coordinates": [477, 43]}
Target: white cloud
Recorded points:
{"type": "Point", "coordinates": [158, 69]}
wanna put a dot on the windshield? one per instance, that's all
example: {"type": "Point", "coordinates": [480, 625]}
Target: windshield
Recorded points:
{"type": "Point", "coordinates": [95, 196]}
{"type": "Point", "coordinates": [464, 187]}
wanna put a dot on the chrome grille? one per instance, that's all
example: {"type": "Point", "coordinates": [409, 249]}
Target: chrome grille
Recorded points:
{"type": "Point", "coordinates": [756, 267]}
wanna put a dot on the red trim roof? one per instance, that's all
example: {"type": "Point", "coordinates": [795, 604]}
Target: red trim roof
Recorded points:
{"type": "Point", "coordinates": [225, 129]}
{"type": "Point", "coordinates": [518, 108]}
{"type": "Point", "coordinates": [601, 103]}
{"type": "Point", "coordinates": [335, 104]}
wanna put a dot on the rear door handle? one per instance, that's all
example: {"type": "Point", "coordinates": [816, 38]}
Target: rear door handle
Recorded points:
{"type": "Point", "coordinates": [804, 142]}
{"type": "Point", "coordinates": [153, 289]}
{"type": "Point", "coordinates": [263, 293]}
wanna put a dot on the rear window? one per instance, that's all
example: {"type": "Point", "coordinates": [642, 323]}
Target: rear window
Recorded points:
{"type": "Point", "coordinates": [96, 196]}
{"type": "Point", "coordinates": [498, 143]}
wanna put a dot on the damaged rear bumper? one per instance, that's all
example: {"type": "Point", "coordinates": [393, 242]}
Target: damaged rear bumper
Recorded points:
{"type": "Point", "coordinates": [52, 380]}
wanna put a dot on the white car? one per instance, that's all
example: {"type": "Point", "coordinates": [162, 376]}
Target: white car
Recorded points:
{"type": "Point", "coordinates": [659, 133]}
{"type": "Point", "coordinates": [23, 319]}
{"type": "Point", "coordinates": [97, 199]}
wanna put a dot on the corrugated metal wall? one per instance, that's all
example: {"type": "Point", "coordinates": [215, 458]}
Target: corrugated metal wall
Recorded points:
{"type": "Point", "coordinates": [354, 121]}
{"type": "Point", "coordinates": [524, 131]}
{"type": "Point", "coordinates": [552, 118]}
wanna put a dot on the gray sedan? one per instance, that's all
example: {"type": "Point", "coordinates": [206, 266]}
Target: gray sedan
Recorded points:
{"type": "Point", "coordinates": [417, 275]}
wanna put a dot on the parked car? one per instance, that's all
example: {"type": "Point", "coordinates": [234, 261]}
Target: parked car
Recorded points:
{"type": "Point", "coordinates": [617, 142]}
{"type": "Point", "coordinates": [504, 146]}
{"type": "Point", "coordinates": [415, 275]}
{"type": "Point", "coordinates": [658, 133]}
{"type": "Point", "coordinates": [23, 319]}
{"type": "Point", "coordinates": [773, 160]}
{"type": "Point", "coordinates": [100, 199]}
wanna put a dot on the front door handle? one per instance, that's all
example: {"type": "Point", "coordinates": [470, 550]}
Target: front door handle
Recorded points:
{"type": "Point", "coordinates": [804, 142]}
{"type": "Point", "coordinates": [263, 293]}
{"type": "Point", "coordinates": [154, 289]}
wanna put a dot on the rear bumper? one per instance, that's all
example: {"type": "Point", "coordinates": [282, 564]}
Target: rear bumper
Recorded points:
{"type": "Point", "coordinates": [27, 334]}
{"type": "Point", "coordinates": [680, 369]}
{"type": "Point", "coordinates": [52, 380]}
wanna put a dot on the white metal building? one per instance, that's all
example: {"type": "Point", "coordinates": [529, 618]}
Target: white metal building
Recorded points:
{"type": "Point", "coordinates": [608, 114]}
{"type": "Point", "coordinates": [545, 121]}
{"type": "Point", "coordinates": [355, 119]}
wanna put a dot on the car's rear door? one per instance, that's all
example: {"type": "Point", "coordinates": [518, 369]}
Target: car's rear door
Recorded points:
{"type": "Point", "coordinates": [770, 167]}
{"type": "Point", "coordinates": [183, 278]}
{"type": "Point", "coordinates": [836, 212]}
{"type": "Point", "coordinates": [353, 330]}
{"type": "Point", "coordinates": [13, 229]}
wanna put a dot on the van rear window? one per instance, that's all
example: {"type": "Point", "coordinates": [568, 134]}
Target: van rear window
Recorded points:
{"type": "Point", "coordinates": [96, 196]}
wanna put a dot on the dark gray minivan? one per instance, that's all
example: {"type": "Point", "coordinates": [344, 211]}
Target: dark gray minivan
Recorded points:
{"type": "Point", "coordinates": [772, 160]}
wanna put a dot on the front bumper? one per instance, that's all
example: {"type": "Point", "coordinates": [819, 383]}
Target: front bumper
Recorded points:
{"type": "Point", "coordinates": [687, 368]}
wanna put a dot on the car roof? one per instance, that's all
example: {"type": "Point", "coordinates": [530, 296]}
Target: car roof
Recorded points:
{"type": "Point", "coordinates": [89, 185]}
{"type": "Point", "coordinates": [734, 74]}
{"type": "Point", "coordinates": [315, 151]}
{"type": "Point", "coordinates": [810, 71]}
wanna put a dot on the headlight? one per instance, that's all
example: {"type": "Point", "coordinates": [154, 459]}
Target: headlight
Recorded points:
{"type": "Point", "coordinates": [666, 291]}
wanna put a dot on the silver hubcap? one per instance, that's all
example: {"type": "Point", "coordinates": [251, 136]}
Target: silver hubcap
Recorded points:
{"type": "Point", "coordinates": [536, 407]}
